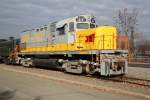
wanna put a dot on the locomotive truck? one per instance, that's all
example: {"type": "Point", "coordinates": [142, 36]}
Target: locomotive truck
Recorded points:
{"type": "Point", "coordinates": [75, 45]}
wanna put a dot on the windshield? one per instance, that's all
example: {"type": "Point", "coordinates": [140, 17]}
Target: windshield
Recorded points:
{"type": "Point", "coordinates": [82, 25]}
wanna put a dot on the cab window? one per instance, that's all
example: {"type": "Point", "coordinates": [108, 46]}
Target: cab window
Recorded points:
{"type": "Point", "coordinates": [82, 25]}
{"type": "Point", "coordinates": [71, 26]}
{"type": "Point", "coordinates": [92, 25]}
{"type": "Point", "coordinates": [61, 30]}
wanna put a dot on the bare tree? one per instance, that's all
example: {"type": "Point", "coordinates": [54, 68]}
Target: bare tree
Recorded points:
{"type": "Point", "coordinates": [127, 22]}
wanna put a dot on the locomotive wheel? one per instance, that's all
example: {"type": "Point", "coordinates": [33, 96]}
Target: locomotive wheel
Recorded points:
{"type": "Point", "coordinates": [72, 67]}
{"type": "Point", "coordinates": [64, 66]}
{"type": "Point", "coordinates": [26, 63]}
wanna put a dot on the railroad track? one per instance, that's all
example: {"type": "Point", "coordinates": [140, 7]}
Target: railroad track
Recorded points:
{"type": "Point", "coordinates": [121, 79]}
{"type": "Point", "coordinates": [137, 81]}
{"type": "Point", "coordinates": [80, 83]}
{"type": "Point", "coordinates": [130, 80]}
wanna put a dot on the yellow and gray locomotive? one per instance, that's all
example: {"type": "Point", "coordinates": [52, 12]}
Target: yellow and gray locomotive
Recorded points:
{"type": "Point", "coordinates": [75, 45]}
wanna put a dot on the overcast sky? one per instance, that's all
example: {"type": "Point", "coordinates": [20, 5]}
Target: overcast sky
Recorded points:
{"type": "Point", "coordinates": [19, 15]}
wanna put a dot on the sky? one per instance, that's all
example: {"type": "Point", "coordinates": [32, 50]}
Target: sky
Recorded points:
{"type": "Point", "coordinates": [19, 15]}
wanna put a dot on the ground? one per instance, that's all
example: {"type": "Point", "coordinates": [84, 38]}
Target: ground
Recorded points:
{"type": "Point", "coordinates": [139, 71]}
{"type": "Point", "coordinates": [16, 85]}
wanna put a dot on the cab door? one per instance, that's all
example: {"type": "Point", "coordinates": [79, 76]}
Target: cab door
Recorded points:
{"type": "Point", "coordinates": [71, 33]}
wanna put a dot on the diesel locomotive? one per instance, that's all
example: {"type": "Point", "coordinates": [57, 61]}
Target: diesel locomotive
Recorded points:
{"type": "Point", "coordinates": [75, 45]}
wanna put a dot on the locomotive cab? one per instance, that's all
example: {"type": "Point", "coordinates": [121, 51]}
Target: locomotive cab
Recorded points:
{"type": "Point", "coordinates": [66, 29]}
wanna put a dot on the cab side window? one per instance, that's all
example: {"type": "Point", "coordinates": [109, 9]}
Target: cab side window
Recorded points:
{"type": "Point", "coordinates": [71, 26]}
{"type": "Point", "coordinates": [61, 30]}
